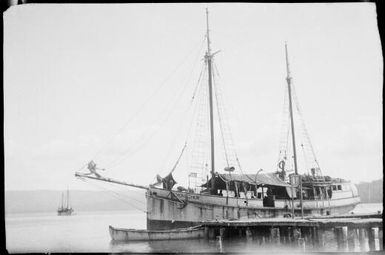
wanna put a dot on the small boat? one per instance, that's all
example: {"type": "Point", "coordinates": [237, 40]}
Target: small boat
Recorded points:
{"type": "Point", "coordinates": [65, 208]}
{"type": "Point", "coordinates": [122, 234]}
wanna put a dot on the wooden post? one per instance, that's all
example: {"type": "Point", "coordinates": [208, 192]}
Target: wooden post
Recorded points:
{"type": "Point", "coordinates": [314, 237]}
{"type": "Point", "coordinates": [211, 233]}
{"type": "Point", "coordinates": [240, 232]}
{"type": "Point", "coordinates": [249, 235]}
{"type": "Point", "coordinates": [371, 239]}
{"type": "Point", "coordinates": [283, 234]}
{"type": "Point", "coordinates": [362, 239]}
{"type": "Point", "coordinates": [222, 232]}
{"type": "Point", "coordinates": [380, 239]}
{"type": "Point", "coordinates": [320, 237]}
{"type": "Point", "coordinates": [301, 243]}
{"type": "Point", "coordinates": [274, 235]}
{"type": "Point", "coordinates": [344, 232]}
{"type": "Point", "coordinates": [289, 235]}
{"type": "Point", "coordinates": [341, 237]}
{"type": "Point", "coordinates": [297, 236]}
{"type": "Point", "coordinates": [351, 239]}
{"type": "Point", "coordinates": [219, 244]}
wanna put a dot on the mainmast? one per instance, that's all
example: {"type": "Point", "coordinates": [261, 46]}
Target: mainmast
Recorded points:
{"type": "Point", "coordinates": [288, 79]}
{"type": "Point", "coordinates": [68, 198]}
{"type": "Point", "coordinates": [208, 58]}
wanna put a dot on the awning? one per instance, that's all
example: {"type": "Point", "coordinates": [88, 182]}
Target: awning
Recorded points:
{"type": "Point", "coordinates": [252, 179]}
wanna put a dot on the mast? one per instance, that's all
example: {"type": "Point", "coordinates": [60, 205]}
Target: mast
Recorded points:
{"type": "Point", "coordinates": [208, 58]}
{"type": "Point", "coordinates": [288, 79]}
{"type": "Point", "coordinates": [68, 198]}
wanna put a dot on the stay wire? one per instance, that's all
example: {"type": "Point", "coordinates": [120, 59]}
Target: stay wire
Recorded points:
{"type": "Point", "coordinates": [185, 113]}
{"type": "Point", "coordinates": [142, 106]}
{"type": "Point", "coordinates": [116, 195]}
{"type": "Point", "coordinates": [220, 121]}
{"type": "Point", "coordinates": [306, 133]}
{"type": "Point", "coordinates": [111, 191]}
{"type": "Point", "coordinates": [168, 114]}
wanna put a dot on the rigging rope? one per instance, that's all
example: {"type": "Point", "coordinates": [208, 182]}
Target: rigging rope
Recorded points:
{"type": "Point", "coordinates": [185, 114]}
{"type": "Point", "coordinates": [142, 106]}
{"type": "Point", "coordinates": [169, 112]}
{"type": "Point", "coordinates": [304, 129]}
{"type": "Point", "coordinates": [116, 195]}
{"type": "Point", "coordinates": [199, 154]}
{"type": "Point", "coordinates": [224, 125]}
{"type": "Point", "coordinates": [220, 121]}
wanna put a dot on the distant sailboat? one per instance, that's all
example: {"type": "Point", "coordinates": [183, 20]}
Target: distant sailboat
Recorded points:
{"type": "Point", "coordinates": [65, 207]}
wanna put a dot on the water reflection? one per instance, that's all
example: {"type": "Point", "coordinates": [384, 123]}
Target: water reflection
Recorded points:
{"type": "Point", "coordinates": [238, 244]}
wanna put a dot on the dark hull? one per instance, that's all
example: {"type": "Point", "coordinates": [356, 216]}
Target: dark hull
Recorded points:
{"type": "Point", "coordinates": [65, 212]}
{"type": "Point", "coordinates": [168, 224]}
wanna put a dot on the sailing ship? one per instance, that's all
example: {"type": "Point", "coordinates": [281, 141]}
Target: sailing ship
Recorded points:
{"type": "Point", "coordinates": [65, 208]}
{"type": "Point", "coordinates": [228, 195]}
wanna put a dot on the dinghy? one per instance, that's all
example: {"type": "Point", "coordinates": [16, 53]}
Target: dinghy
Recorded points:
{"type": "Point", "coordinates": [121, 234]}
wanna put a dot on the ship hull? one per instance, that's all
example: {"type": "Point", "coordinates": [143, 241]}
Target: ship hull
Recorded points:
{"type": "Point", "coordinates": [121, 234]}
{"type": "Point", "coordinates": [67, 212]}
{"type": "Point", "coordinates": [169, 210]}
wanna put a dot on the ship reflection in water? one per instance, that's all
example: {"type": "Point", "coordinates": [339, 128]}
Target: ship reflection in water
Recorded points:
{"type": "Point", "coordinates": [255, 245]}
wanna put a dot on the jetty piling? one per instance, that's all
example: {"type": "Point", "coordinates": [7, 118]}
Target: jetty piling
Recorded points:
{"type": "Point", "coordinates": [222, 232]}
{"type": "Point", "coordinates": [352, 236]}
{"type": "Point", "coordinates": [351, 233]}
{"type": "Point", "coordinates": [362, 237]}
{"type": "Point", "coordinates": [371, 239]}
{"type": "Point", "coordinates": [274, 235]}
{"type": "Point", "coordinates": [249, 235]}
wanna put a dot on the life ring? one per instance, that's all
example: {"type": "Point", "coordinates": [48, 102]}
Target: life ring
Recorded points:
{"type": "Point", "coordinates": [281, 165]}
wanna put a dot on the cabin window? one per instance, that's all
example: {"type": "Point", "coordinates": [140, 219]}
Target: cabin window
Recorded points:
{"type": "Point", "coordinates": [334, 187]}
{"type": "Point", "coordinates": [339, 187]}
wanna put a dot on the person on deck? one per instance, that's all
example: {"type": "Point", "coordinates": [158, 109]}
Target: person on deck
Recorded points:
{"type": "Point", "coordinates": [92, 167]}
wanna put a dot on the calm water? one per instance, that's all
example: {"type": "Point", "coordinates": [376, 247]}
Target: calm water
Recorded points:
{"type": "Point", "coordinates": [88, 232]}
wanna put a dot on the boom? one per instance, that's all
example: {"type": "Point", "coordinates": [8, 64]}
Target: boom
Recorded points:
{"type": "Point", "coordinates": [105, 179]}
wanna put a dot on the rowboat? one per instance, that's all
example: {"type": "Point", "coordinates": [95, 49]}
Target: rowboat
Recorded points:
{"type": "Point", "coordinates": [122, 234]}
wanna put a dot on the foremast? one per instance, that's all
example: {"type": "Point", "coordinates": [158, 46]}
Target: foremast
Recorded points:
{"type": "Point", "coordinates": [288, 79]}
{"type": "Point", "coordinates": [208, 58]}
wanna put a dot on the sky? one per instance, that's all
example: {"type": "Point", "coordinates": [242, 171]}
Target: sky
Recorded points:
{"type": "Point", "coordinates": [114, 83]}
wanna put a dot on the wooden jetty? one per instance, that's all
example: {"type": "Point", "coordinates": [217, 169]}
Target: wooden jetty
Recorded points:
{"type": "Point", "coordinates": [348, 232]}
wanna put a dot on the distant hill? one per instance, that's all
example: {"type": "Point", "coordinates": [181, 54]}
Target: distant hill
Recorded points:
{"type": "Point", "coordinates": [49, 200]}
{"type": "Point", "coordinates": [371, 192]}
